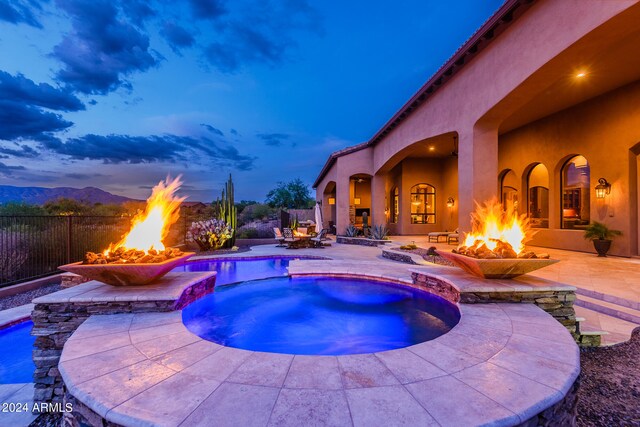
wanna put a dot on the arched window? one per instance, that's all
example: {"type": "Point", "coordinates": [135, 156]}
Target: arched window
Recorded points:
{"type": "Point", "coordinates": [576, 198]}
{"type": "Point", "coordinates": [509, 188]}
{"type": "Point", "coordinates": [395, 205]}
{"type": "Point", "coordinates": [423, 204]}
{"type": "Point", "coordinates": [538, 193]}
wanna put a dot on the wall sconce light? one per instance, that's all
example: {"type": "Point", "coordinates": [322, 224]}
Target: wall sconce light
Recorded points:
{"type": "Point", "coordinates": [603, 188]}
{"type": "Point", "coordinates": [356, 200]}
{"type": "Point", "coordinates": [450, 202]}
{"type": "Point", "coordinates": [332, 200]}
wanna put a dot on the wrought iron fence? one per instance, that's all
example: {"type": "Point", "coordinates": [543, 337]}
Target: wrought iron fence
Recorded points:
{"type": "Point", "coordinates": [34, 246]}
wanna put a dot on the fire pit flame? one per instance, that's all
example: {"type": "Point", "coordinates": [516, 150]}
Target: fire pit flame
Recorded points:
{"type": "Point", "coordinates": [497, 233]}
{"type": "Point", "coordinates": [149, 228]}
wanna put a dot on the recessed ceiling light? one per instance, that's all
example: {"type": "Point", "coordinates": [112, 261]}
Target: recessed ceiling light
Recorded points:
{"type": "Point", "coordinates": [432, 148]}
{"type": "Point", "coordinates": [581, 74]}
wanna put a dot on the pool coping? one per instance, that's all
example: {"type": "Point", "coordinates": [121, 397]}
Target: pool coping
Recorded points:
{"type": "Point", "coordinates": [15, 315]}
{"type": "Point", "coordinates": [524, 363]}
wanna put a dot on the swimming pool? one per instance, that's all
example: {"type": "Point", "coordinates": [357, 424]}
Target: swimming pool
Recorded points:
{"type": "Point", "coordinates": [322, 316]}
{"type": "Point", "coordinates": [234, 271]}
{"type": "Point", "coordinates": [16, 344]}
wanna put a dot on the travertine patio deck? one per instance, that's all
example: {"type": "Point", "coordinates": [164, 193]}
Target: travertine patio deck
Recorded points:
{"type": "Point", "coordinates": [148, 369]}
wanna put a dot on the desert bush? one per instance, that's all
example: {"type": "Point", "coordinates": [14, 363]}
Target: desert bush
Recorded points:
{"type": "Point", "coordinates": [209, 234]}
{"type": "Point", "coordinates": [13, 255]}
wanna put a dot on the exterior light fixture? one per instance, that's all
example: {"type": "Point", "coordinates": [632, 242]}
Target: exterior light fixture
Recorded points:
{"type": "Point", "coordinates": [581, 74]}
{"type": "Point", "coordinates": [603, 188]}
{"type": "Point", "coordinates": [432, 148]}
{"type": "Point", "coordinates": [332, 200]}
{"type": "Point", "coordinates": [356, 200]}
{"type": "Point", "coordinates": [450, 202]}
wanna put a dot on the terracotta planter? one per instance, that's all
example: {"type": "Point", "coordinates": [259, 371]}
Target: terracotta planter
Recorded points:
{"type": "Point", "coordinates": [602, 246]}
{"type": "Point", "coordinates": [125, 274]}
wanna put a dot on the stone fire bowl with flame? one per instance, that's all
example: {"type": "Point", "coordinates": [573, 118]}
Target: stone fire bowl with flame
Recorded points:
{"type": "Point", "coordinates": [126, 274]}
{"type": "Point", "coordinates": [505, 268]}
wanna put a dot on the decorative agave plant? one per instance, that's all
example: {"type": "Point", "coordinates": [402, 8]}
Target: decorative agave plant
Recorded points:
{"type": "Point", "coordinates": [351, 231]}
{"type": "Point", "coordinates": [379, 232]}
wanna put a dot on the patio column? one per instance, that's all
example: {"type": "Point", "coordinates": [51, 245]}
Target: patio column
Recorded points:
{"type": "Point", "coordinates": [477, 170]}
{"type": "Point", "coordinates": [378, 192]}
{"type": "Point", "coordinates": [342, 204]}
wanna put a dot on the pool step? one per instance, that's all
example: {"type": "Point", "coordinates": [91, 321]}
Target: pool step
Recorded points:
{"type": "Point", "coordinates": [611, 330]}
{"type": "Point", "coordinates": [609, 308]}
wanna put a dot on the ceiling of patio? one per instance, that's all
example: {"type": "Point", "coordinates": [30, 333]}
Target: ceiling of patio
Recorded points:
{"type": "Point", "coordinates": [609, 58]}
{"type": "Point", "coordinates": [440, 146]}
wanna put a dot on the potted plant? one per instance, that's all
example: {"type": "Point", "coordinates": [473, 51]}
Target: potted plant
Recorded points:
{"type": "Point", "coordinates": [601, 236]}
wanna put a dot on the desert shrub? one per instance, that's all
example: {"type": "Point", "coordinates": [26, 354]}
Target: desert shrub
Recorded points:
{"type": "Point", "coordinates": [248, 233]}
{"type": "Point", "coordinates": [351, 231]}
{"type": "Point", "coordinates": [13, 254]}
{"type": "Point", "coordinates": [256, 212]}
{"type": "Point", "coordinates": [209, 234]}
{"type": "Point", "coordinates": [379, 232]}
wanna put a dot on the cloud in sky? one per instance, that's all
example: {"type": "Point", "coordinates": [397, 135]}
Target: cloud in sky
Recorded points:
{"type": "Point", "coordinates": [212, 129]}
{"type": "Point", "coordinates": [102, 49]}
{"type": "Point", "coordinates": [116, 149]}
{"type": "Point", "coordinates": [274, 139]}
{"type": "Point", "coordinates": [20, 11]}
{"type": "Point", "coordinates": [177, 36]}
{"type": "Point", "coordinates": [6, 170]}
{"type": "Point", "coordinates": [24, 105]}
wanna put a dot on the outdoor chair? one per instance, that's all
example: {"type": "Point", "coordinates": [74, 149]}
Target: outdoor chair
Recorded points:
{"type": "Point", "coordinates": [279, 237]}
{"type": "Point", "coordinates": [320, 238]}
{"type": "Point", "coordinates": [290, 239]}
{"type": "Point", "coordinates": [453, 238]}
{"type": "Point", "coordinates": [434, 237]}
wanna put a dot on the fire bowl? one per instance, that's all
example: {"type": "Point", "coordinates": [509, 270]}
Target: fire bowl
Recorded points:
{"type": "Point", "coordinates": [505, 268]}
{"type": "Point", "coordinates": [125, 274]}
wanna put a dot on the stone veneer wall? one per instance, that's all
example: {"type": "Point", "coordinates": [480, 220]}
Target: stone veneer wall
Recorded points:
{"type": "Point", "coordinates": [559, 304]}
{"type": "Point", "coordinates": [562, 413]}
{"type": "Point", "coordinates": [54, 323]}
{"type": "Point", "coordinates": [361, 241]}
{"type": "Point", "coordinates": [395, 256]}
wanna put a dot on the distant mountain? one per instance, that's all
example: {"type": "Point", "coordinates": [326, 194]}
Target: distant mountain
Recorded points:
{"type": "Point", "coordinates": [40, 195]}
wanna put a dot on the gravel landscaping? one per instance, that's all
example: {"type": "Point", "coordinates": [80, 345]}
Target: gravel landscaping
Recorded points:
{"type": "Point", "coordinates": [26, 297]}
{"type": "Point", "coordinates": [609, 392]}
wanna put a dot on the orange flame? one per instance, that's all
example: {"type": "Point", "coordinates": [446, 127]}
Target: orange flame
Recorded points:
{"type": "Point", "coordinates": [491, 223]}
{"type": "Point", "coordinates": [149, 228]}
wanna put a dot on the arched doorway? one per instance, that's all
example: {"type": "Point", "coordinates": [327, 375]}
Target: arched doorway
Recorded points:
{"type": "Point", "coordinates": [329, 206]}
{"type": "Point", "coordinates": [508, 188]}
{"type": "Point", "coordinates": [538, 196]}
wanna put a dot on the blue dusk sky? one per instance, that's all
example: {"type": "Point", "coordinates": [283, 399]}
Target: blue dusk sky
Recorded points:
{"type": "Point", "coordinates": [119, 93]}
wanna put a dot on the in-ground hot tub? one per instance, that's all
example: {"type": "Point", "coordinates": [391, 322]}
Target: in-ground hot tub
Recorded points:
{"type": "Point", "coordinates": [322, 316]}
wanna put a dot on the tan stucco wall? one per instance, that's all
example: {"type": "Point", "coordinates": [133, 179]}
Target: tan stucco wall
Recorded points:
{"type": "Point", "coordinates": [603, 130]}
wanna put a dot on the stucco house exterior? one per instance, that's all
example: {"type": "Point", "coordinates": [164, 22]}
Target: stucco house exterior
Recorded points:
{"type": "Point", "coordinates": [535, 108]}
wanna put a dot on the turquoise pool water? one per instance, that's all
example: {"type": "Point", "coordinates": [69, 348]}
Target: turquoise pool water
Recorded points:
{"type": "Point", "coordinates": [322, 316]}
{"type": "Point", "coordinates": [16, 364]}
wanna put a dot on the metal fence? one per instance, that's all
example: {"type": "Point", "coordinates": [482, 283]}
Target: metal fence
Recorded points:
{"type": "Point", "coordinates": [34, 246]}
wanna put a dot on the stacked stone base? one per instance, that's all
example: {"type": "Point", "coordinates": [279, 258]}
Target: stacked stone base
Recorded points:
{"type": "Point", "coordinates": [558, 304]}
{"type": "Point", "coordinates": [562, 413]}
{"type": "Point", "coordinates": [54, 323]}
{"type": "Point", "coordinates": [360, 241]}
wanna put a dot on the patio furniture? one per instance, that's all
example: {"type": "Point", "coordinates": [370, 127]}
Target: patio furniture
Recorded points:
{"type": "Point", "coordinates": [302, 230]}
{"type": "Point", "coordinates": [453, 238]}
{"type": "Point", "coordinates": [292, 241]}
{"type": "Point", "coordinates": [317, 242]}
{"type": "Point", "coordinates": [434, 237]}
{"type": "Point", "coordinates": [279, 237]}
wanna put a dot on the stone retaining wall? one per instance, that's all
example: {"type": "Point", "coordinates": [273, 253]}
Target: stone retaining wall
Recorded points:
{"type": "Point", "coordinates": [396, 256]}
{"type": "Point", "coordinates": [562, 413]}
{"type": "Point", "coordinates": [54, 322]}
{"type": "Point", "coordinates": [558, 304]}
{"type": "Point", "coordinates": [361, 241]}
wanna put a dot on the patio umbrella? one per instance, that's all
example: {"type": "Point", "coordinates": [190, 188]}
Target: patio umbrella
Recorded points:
{"type": "Point", "coordinates": [318, 217]}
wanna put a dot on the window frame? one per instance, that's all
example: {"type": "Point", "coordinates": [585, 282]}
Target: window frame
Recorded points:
{"type": "Point", "coordinates": [429, 214]}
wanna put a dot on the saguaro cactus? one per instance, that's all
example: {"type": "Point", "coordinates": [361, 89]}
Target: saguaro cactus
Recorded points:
{"type": "Point", "coordinates": [227, 211]}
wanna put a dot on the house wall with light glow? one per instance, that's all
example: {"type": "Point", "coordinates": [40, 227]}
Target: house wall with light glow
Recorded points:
{"type": "Point", "coordinates": [536, 107]}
